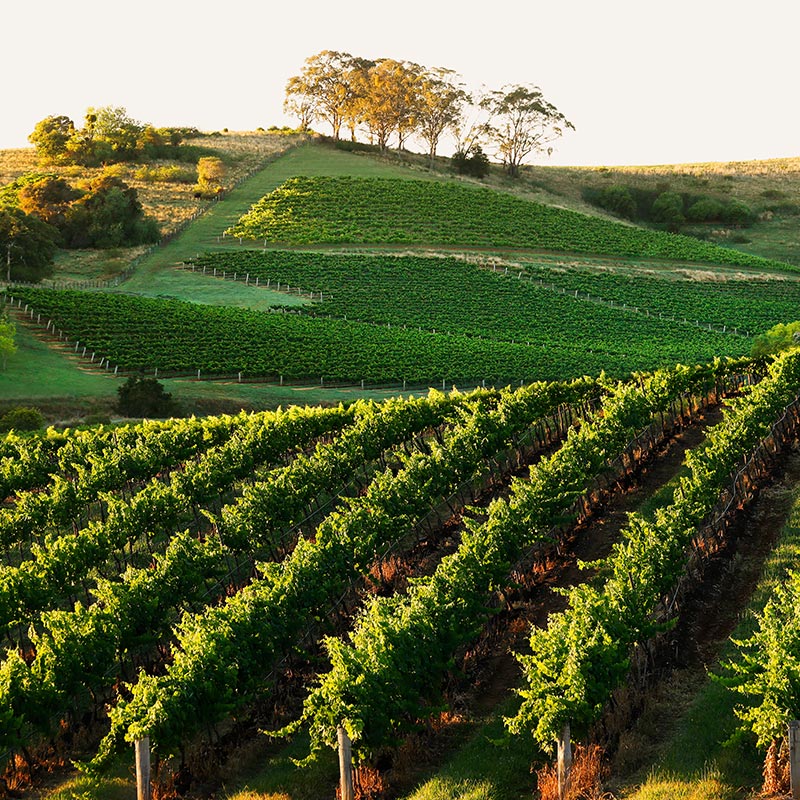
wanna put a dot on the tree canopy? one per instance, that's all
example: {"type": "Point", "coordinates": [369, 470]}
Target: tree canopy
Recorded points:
{"type": "Point", "coordinates": [385, 97]}
{"type": "Point", "coordinates": [108, 214]}
{"type": "Point", "coordinates": [27, 245]}
{"type": "Point", "coordinates": [109, 135]}
{"type": "Point", "coordinates": [40, 214]}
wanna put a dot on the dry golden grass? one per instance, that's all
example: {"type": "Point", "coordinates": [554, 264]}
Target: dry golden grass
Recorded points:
{"type": "Point", "coordinates": [757, 183]}
{"type": "Point", "coordinates": [586, 776]}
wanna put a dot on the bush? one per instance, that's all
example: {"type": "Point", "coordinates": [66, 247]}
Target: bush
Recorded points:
{"type": "Point", "coordinates": [706, 209]}
{"type": "Point", "coordinates": [737, 213]}
{"type": "Point", "coordinates": [472, 162]}
{"type": "Point", "coordinates": [21, 418]}
{"type": "Point", "coordinates": [668, 208]}
{"type": "Point", "coordinates": [144, 397]}
{"type": "Point", "coordinates": [618, 200]}
{"type": "Point", "coordinates": [108, 215]}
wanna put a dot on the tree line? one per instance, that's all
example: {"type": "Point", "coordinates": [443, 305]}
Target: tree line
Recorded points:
{"type": "Point", "coordinates": [108, 136]}
{"type": "Point", "coordinates": [389, 99]}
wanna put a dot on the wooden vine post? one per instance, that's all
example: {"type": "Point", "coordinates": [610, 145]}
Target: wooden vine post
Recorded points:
{"type": "Point", "coordinates": [345, 765]}
{"type": "Point", "coordinates": [794, 758]}
{"type": "Point", "coordinates": [142, 748]}
{"type": "Point", "coordinates": [564, 761]}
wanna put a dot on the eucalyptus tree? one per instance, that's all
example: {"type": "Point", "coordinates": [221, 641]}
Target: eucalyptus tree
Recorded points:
{"type": "Point", "coordinates": [326, 89]}
{"type": "Point", "coordinates": [521, 121]}
{"type": "Point", "coordinates": [391, 100]}
{"type": "Point", "coordinates": [440, 107]}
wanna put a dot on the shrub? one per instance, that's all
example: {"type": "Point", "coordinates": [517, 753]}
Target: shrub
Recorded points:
{"type": "Point", "coordinates": [144, 397]}
{"type": "Point", "coordinates": [21, 418]}
{"type": "Point", "coordinates": [706, 209]}
{"type": "Point", "coordinates": [472, 162]}
{"type": "Point", "coordinates": [737, 213]}
{"type": "Point", "coordinates": [618, 200]}
{"type": "Point", "coordinates": [210, 175]}
{"type": "Point", "coordinates": [668, 208]}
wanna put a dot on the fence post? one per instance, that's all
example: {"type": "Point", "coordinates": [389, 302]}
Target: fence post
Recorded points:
{"type": "Point", "coordinates": [142, 748]}
{"type": "Point", "coordinates": [345, 765]}
{"type": "Point", "coordinates": [794, 758]}
{"type": "Point", "coordinates": [564, 761]}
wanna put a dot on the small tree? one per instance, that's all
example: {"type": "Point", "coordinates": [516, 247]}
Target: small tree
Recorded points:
{"type": "Point", "coordinates": [27, 246]}
{"type": "Point", "coordinates": [51, 137]}
{"type": "Point", "coordinates": [705, 209]}
{"type": "Point", "coordinates": [110, 135]}
{"type": "Point", "coordinates": [618, 200]}
{"type": "Point", "coordinates": [737, 213]}
{"type": "Point", "coordinates": [49, 199]}
{"type": "Point", "coordinates": [144, 397]}
{"type": "Point", "coordinates": [668, 208]}
{"type": "Point", "coordinates": [109, 214]}
{"type": "Point", "coordinates": [472, 162]}
{"type": "Point", "coordinates": [522, 122]}
{"type": "Point", "coordinates": [210, 175]}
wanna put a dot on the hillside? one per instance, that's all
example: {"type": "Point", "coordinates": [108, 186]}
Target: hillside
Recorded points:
{"type": "Point", "coordinates": [332, 561]}
{"type": "Point", "coordinates": [654, 325]}
{"type": "Point", "coordinates": [770, 188]}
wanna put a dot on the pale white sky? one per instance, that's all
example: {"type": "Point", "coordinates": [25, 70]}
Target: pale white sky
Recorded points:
{"type": "Point", "coordinates": [644, 82]}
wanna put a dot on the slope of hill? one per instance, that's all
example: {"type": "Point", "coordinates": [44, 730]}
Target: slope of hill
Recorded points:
{"type": "Point", "coordinates": [690, 323]}
{"type": "Point", "coordinates": [500, 316]}
{"type": "Point", "coordinates": [317, 210]}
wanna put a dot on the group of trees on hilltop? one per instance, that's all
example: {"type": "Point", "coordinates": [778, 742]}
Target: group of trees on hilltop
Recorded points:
{"type": "Point", "coordinates": [108, 136]}
{"type": "Point", "coordinates": [388, 98]}
{"type": "Point", "coordinates": [41, 212]}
